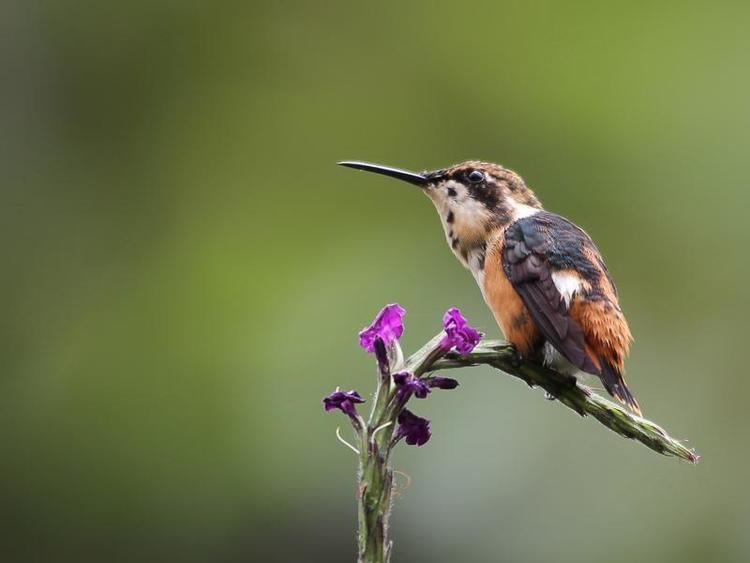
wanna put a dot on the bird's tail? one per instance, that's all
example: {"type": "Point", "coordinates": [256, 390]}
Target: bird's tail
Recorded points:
{"type": "Point", "coordinates": [615, 386]}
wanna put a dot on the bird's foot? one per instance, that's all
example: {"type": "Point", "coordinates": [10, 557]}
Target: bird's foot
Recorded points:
{"type": "Point", "coordinates": [516, 358]}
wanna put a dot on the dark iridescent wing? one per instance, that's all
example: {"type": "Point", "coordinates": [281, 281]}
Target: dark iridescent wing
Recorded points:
{"type": "Point", "coordinates": [534, 248]}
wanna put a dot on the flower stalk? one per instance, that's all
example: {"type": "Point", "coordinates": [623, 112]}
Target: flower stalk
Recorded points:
{"type": "Point", "coordinates": [375, 484]}
{"type": "Point", "coordinates": [400, 380]}
{"type": "Point", "coordinates": [389, 422]}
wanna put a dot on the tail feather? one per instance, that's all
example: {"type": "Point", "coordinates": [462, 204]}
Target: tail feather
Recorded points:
{"type": "Point", "coordinates": [615, 386]}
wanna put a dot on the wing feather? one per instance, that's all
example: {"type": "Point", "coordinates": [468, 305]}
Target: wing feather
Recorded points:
{"type": "Point", "coordinates": [528, 244]}
{"type": "Point", "coordinates": [588, 329]}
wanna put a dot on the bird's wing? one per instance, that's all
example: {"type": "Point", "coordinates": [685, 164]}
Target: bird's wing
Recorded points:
{"type": "Point", "coordinates": [548, 260]}
{"type": "Point", "coordinates": [558, 272]}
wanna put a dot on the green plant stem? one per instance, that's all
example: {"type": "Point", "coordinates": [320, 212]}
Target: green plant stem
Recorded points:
{"type": "Point", "coordinates": [375, 485]}
{"type": "Point", "coordinates": [374, 495]}
{"type": "Point", "coordinates": [375, 479]}
{"type": "Point", "coordinates": [501, 355]}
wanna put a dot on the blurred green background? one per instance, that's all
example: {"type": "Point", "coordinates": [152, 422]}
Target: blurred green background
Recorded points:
{"type": "Point", "coordinates": [186, 270]}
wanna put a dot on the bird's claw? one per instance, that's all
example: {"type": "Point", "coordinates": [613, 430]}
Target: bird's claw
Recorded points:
{"type": "Point", "coordinates": [516, 359]}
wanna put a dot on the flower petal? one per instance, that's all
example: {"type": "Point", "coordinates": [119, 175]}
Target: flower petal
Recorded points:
{"type": "Point", "coordinates": [409, 384]}
{"type": "Point", "coordinates": [458, 333]}
{"type": "Point", "coordinates": [415, 429]}
{"type": "Point", "coordinates": [438, 382]}
{"type": "Point", "coordinates": [344, 401]}
{"type": "Point", "coordinates": [387, 326]}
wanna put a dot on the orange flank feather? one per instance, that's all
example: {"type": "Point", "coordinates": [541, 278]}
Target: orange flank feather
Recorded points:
{"type": "Point", "coordinates": [605, 329]}
{"type": "Point", "coordinates": [608, 341]}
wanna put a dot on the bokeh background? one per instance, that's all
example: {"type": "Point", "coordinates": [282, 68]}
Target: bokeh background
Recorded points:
{"type": "Point", "coordinates": [185, 271]}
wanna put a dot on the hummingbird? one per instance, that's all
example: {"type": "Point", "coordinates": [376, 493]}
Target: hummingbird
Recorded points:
{"type": "Point", "coordinates": [541, 275]}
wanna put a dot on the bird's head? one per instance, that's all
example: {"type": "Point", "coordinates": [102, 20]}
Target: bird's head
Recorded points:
{"type": "Point", "coordinates": [472, 198]}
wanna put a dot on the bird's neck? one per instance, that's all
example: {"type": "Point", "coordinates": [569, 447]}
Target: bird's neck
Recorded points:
{"type": "Point", "coordinates": [469, 228]}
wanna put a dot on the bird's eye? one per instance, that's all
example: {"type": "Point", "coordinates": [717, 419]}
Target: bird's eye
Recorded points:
{"type": "Point", "coordinates": [475, 176]}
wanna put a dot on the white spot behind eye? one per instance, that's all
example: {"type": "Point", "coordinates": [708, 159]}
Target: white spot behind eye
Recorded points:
{"type": "Point", "coordinates": [521, 210]}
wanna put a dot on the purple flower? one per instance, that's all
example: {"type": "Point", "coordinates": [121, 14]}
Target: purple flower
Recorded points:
{"type": "Point", "coordinates": [414, 428]}
{"type": "Point", "coordinates": [343, 400]}
{"type": "Point", "coordinates": [407, 384]}
{"type": "Point", "coordinates": [387, 326]}
{"type": "Point", "coordinates": [439, 382]}
{"type": "Point", "coordinates": [458, 333]}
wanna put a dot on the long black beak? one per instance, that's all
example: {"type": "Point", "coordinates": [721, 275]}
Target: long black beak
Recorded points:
{"type": "Point", "coordinates": [405, 175]}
